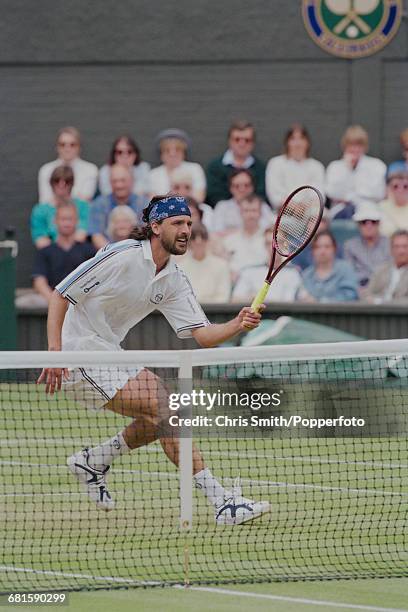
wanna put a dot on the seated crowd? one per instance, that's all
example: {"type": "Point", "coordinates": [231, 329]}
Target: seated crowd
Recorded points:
{"type": "Point", "coordinates": [359, 253]}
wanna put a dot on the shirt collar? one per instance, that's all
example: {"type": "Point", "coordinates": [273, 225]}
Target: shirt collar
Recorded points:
{"type": "Point", "coordinates": [147, 250]}
{"type": "Point", "coordinates": [228, 160]}
{"type": "Point", "coordinates": [400, 268]}
{"type": "Point", "coordinates": [147, 253]}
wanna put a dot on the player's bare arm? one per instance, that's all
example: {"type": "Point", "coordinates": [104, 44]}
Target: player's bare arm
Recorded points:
{"type": "Point", "coordinates": [215, 334]}
{"type": "Point", "coordinates": [57, 310]}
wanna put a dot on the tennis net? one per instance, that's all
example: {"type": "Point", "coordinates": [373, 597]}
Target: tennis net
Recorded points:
{"type": "Point", "coordinates": [318, 431]}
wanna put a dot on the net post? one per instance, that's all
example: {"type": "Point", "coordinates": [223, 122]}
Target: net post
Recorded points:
{"type": "Point", "coordinates": [186, 447]}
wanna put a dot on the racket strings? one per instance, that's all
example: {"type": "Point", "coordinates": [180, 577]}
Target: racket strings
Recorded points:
{"type": "Point", "coordinates": [297, 223]}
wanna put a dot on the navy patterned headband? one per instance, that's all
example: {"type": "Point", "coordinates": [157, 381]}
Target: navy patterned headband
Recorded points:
{"type": "Point", "coordinates": [173, 206]}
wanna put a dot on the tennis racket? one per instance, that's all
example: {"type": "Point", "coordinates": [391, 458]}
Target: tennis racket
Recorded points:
{"type": "Point", "coordinates": [297, 223]}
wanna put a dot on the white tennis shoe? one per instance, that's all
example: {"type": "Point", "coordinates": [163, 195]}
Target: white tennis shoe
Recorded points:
{"type": "Point", "coordinates": [93, 480]}
{"type": "Point", "coordinates": [237, 509]}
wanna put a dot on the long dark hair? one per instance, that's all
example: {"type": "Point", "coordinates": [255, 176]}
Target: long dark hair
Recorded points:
{"type": "Point", "coordinates": [144, 232]}
{"type": "Point", "coordinates": [130, 143]}
{"type": "Point", "coordinates": [297, 127]}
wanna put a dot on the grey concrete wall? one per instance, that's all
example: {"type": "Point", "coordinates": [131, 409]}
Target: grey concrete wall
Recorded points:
{"type": "Point", "coordinates": [143, 65]}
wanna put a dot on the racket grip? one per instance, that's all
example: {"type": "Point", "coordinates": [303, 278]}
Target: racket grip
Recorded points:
{"type": "Point", "coordinates": [261, 295]}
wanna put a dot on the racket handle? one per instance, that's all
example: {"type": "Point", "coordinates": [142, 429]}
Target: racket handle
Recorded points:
{"type": "Point", "coordinates": [261, 295]}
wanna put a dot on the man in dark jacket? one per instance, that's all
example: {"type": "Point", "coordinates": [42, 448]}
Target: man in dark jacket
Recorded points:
{"type": "Point", "coordinates": [241, 142]}
{"type": "Point", "coordinates": [56, 261]}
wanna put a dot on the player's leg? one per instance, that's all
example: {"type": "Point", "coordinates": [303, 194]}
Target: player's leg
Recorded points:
{"type": "Point", "coordinates": [145, 399]}
{"type": "Point", "coordinates": [151, 410]}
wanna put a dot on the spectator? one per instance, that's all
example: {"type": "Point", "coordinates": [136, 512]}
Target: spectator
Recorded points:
{"type": "Point", "coordinates": [43, 229]}
{"type": "Point", "coordinates": [328, 279]}
{"type": "Point", "coordinates": [56, 261]}
{"type": "Point", "coordinates": [125, 152]}
{"type": "Point", "coordinates": [122, 183]}
{"type": "Point", "coordinates": [196, 212]}
{"type": "Point", "coordinates": [85, 173]}
{"type": "Point", "coordinates": [241, 142]}
{"type": "Point", "coordinates": [305, 259]}
{"type": "Point", "coordinates": [395, 208]}
{"type": "Point", "coordinates": [390, 281]}
{"type": "Point", "coordinates": [227, 212]}
{"type": "Point", "coordinates": [402, 164]}
{"type": "Point", "coordinates": [294, 168]}
{"type": "Point", "coordinates": [245, 247]}
{"type": "Point", "coordinates": [181, 182]}
{"type": "Point", "coordinates": [121, 222]}
{"type": "Point", "coordinates": [208, 274]}
{"type": "Point", "coordinates": [356, 177]}
{"type": "Point", "coordinates": [284, 287]}
{"type": "Point", "coordinates": [174, 145]}
{"type": "Point", "coordinates": [368, 250]}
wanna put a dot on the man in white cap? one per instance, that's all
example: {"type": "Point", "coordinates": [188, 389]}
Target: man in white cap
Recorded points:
{"type": "Point", "coordinates": [369, 250]}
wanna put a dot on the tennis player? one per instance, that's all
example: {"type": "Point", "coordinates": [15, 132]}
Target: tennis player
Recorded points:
{"type": "Point", "coordinates": [94, 308]}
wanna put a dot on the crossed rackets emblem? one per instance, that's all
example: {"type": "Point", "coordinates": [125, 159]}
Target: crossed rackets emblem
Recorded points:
{"type": "Point", "coordinates": [352, 10]}
{"type": "Point", "coordinates": [352, 28]}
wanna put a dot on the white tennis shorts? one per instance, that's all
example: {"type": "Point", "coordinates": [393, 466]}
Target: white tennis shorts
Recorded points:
{"type": "Point", "coordinates": [95, 387]}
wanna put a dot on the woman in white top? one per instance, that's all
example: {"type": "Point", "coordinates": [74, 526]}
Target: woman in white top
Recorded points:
{"type": "Point", "coordinates": [85, 173]}
{"type": "Point", "coordinates": [125, 152]}
{"type": "Point", "coordinates": [173, 146]}
{"type": "Point", "coordinates": [356, 176]}
{"type": "Point", "coordinates": [294, 168]}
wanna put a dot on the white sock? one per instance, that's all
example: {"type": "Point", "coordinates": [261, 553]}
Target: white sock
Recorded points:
{"type": "Point", "coordinates": [102, 455]}
{"type": "Point", "coordinates": [214, 491]}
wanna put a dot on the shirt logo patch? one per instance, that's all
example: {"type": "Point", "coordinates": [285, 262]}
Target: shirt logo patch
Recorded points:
{"type": "Point", "coordinates": [87, 289]}
{"type": "Point", "coordinates": [157, 298]}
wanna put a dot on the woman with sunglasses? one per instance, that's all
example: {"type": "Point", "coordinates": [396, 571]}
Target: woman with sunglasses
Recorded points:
{"type": "Point", "coordinates": [85, 173]}
{"type": "Point", "coordinates": [43, 228]}
{"type": "Point", "coordinates": [395, 207]}
{"type": "Point", "coordinates": [125, 152]}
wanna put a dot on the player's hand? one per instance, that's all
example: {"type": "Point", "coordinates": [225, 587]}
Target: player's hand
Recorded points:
{"type": "Point", "coordinates": [53, 377]}
{"type": "Point", "coordinates": [249, 319]}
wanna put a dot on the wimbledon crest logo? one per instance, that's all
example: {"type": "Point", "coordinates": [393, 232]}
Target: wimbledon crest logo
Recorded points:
{"type": "Point", "coordinates": [352, 28]}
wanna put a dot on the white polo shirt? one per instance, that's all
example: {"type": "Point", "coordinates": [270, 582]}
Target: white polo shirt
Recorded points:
{"type": "Point", "coordinates": [110, 293]}
{"type": "Point", "coordinates": [365, 182]}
